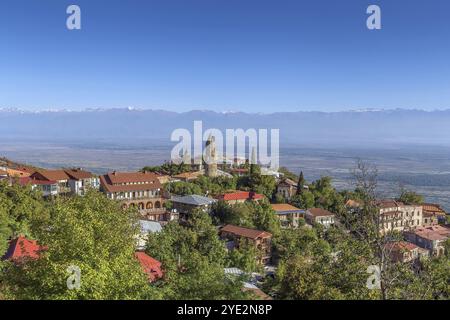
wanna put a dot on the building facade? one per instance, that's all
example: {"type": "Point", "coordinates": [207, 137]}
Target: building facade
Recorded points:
{"type": "Point", "coordinates": [141, 190]}
{"type": "Point", "coordinates": [321, 216]}
{"type": "Point", "coordinates": [237, 236]}
{"type": "Point", "coordinates": [288, 215]}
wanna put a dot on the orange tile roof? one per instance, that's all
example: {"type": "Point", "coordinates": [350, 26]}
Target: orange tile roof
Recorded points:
{"type": "Point", "coordinates": [433, 209]}
{"type": "Point", "coordinates": [283, 207]}
{"type": "Point", "coordinates": [57, 175]}
{"type": "Point", "coordinates": [151, 266]}
{"type": "Point", "coordinates": [21, 248]}
{"type": "Point", "coordinates": [319, 212]}
{"type": "Point", "coordinates": [433, 232]}
{"type": "Point", "coordinates": [246, 232]}
{"type": "Point", "coordinates": [240, 195]}
{"type": "Point", "coordinates": [130, 181]}
{"type": "Point", "coordinates": [78, 174]}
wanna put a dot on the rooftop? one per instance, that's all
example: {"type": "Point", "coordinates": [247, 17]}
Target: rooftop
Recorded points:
{"type": "Point", "coordinates": [319, 212]}
{"type": "Point", "coordinates": [194, 199]}
{"type": "Point", "coordinates": [130, 181]}
{"type": "Point", "coordinates": [21, 248]}
{"type": "Point", "coordinates": [286, 208]}
{"type": "Point", "coordinates": [246, 232]}
{"type": "Point", "coordinates": [240, 195]}
{"type": "Point", "coordinates": [151, 266]}
{"type": "Point", "coordinates": [433, 232]}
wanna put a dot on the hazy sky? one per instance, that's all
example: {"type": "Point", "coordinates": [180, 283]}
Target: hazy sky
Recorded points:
{"type": "Point", "coordinates": [249, 55]}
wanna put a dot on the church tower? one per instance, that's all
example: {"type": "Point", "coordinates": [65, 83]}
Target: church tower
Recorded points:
{"type": "Point", "coordinates": [210, 158]}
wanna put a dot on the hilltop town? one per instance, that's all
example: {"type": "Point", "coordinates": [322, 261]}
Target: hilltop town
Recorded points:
{"type": "Point", "coordinates": [215, 231]}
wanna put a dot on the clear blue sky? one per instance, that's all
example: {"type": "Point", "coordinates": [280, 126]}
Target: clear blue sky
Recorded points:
{"type": "Point", "coordinates": [248, 55]}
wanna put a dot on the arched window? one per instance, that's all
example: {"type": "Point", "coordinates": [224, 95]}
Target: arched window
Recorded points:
{"type": "Point", "coordinates": [141, 206]}
{"type": "Point", "coordinates": [149, 205]}
{"type": "Point", "coordinates": [157, 204]}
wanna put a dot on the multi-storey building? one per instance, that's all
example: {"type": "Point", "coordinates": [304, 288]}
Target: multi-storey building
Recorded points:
{"type": "Point", "coordinates": [74, 181]}
{"type": "Point", "coordinates": [432, 238]}
{"type": "Point", "coordinates": [260, 239]}
{"type": "Point", "coordinates": [397, 216]}
{"type": "Point", "coordinates": [141, 190]}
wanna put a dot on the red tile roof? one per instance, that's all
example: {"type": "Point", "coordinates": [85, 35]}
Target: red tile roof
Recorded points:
{"type": "Point", "coordinates": [21, 248]}
{"type": "Point", "coordinates": [284, 207]}
{"type": "Point", "coordinates": [130, 181]}
{"type": "Point", "coordinates": [433, 232]}
{"type": "Point", "coordinates": [240, 195]}
{"type": "Point", "coordinates": [432, 208]}
{"type": "Point", "coordinates": [54, 175]}
{"type": "Point", "coordinates": [23, 181]}
{"type": "Point", "coordinates": [383, 204]}
{"type": "Point", "coordinates": [78, 174]}
{"type": "Point", "coordinates": [151, 267]}
{"type": "Point", "coordinates": [319, 212]}
{"type": "Point", "coordinates": [245, 232]}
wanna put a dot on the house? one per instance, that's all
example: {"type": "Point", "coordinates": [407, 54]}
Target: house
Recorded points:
{"type": "Point", "coordinates": [397, 216]}
{"type": "Point", "coordinates": [74, 181]}
{"type": "Point", "coordinates": [150, 266]}
{"type": "Point", "coordinates": [321, 216]}
{"type": "Point", "coordinates": [22, 248]}
{"type": "Point", "coordinates": [80, 181]}
{"type": "Point", "coordinates": [141, 190]}
{"type": "Point", "coordinates": [403, 251]}
{"type": "Point", "coordinates": [433, 214]}
{"type": "Point", "coordinates": [184, 205]}
{"type": "Point", "coordinates": [240, 197]}
{"type": "Point", "coordinates": [19, 172]}
{"type": "Point", "coordinates": [60, 176]}
{"type": "Point", "coordinates": [288, 214]}
{"type": "Point", "coordinates": [432, 238]}
{"type": "Point", "coordinates": [287, 188]}
{"type": "Point", "coordinates": [47, 187]}
{"type": "Point", "coordinates": [262, 240]}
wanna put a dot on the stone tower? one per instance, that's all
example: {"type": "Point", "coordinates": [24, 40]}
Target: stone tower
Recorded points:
{"type": "Point", "coordinates": [210, 158]}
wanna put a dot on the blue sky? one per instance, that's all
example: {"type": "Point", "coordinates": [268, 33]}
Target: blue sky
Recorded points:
{"type": "Point", "coordinates": [225, 55]}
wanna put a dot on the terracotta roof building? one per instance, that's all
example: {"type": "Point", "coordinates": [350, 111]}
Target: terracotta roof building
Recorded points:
{"type": "Point", "coordinates": [47, 187]}
{"type": "Point", "coordinates": [150, 266]}
{"type": "Point", "coordinates": [21, 248]}
{"type": "Point", "coordinates": [260, 239]}
{"type": "Point", "coordinates": [397, 216]}
{"type": "Point", "coordinates": [75, 181]}
{"type": "Point", "coordinates": [432, 214]}
{"type": "Point", "coordinates": [288, 214]}
{"type": "Point", "coordinates": [403, 251]}
{"type": "Point", "coordinates": [240, 196]}
{"type": "Point", "coordinates": [141, 190]}
{"type": "Point", "coordinates": [431, 238]}
{"type": "Point", "coordinates": [319, 215]}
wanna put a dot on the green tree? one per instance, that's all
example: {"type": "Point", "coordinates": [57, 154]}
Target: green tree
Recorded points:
{"type": "Point", "coordinates": [304, 200]}
{"type": "Point", "coordinates": [92, 233]}
{"type": "Point", "coordinates": [410, 197]}
{"type": "Point", "coordinates": [301, 182]}
{"type": "Point", "coordinates": [194, 259]}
